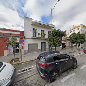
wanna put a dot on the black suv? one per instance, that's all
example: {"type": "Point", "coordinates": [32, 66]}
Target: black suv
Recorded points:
{"type": "Point", "coordinates": [52, 64]}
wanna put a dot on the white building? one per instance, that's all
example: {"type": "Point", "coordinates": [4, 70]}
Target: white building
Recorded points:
{"type": "Point", "coordinates": [79, 28]}
{"type": "Point", "coordinates": [36, 35]}
{"type": "Point", "coordinates": [75, 29]}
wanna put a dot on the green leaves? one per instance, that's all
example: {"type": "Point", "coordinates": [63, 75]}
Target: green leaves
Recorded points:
{"type": "Point", "coordinates": [13, 41]}
{"type": "Point", "coordinates": [77, 38]}
{"type": "Point", "coordinates": [73, 38]}
{"type": "Point", "coordinates": [55, 38]}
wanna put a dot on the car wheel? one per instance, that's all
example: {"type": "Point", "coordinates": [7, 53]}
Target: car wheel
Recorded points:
{"type": "Point", "coordinates": [51, 80]}
{"type": "Point", "coordinates": [75, 65]}
{"type": "Point", "coordinates": [55, 74]}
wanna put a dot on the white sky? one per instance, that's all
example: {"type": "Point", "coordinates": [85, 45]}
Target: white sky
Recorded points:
{"type": "Point", "coordinates": [65, 14]}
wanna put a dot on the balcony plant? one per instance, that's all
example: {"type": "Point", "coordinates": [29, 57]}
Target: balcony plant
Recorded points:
{"type": "Point", "coordinates": [39, 34]}
{"type": "Point", "coordinates": [43, 35]}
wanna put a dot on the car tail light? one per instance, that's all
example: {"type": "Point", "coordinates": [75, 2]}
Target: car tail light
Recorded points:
{"type": "Point", "coordinates": [44, 65]}
{"type": "Point", "coordinates": [84, 51]}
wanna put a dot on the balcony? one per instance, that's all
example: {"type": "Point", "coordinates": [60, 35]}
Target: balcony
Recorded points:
{"type": "Point", "coordinates": [39, 24]}
{"type": "Point", "coordinates": [40, 36]}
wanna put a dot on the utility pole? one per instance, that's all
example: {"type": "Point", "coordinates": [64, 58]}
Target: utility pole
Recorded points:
{"type": "Point", "coordinates": [20, 50]}
{"type": "Point", "coordinates": [53, 9]}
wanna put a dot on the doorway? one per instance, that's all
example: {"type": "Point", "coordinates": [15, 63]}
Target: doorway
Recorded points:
{"type": "Point", "coordinates": [43, 46]}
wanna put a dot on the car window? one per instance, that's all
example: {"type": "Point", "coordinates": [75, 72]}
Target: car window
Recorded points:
{"type": "Point", "coordinates": [1, 63]}
{"type": "Point", "coordinates": [2, 66]}
{"type": "Point", "coordinates": [64, 56]}
{"type": "Point", "coordinates": [56, 58]}
{"type": "Point", "coordinates": [50, 59]}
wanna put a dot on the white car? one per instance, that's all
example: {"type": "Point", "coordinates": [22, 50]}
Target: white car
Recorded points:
{"type": "Point", "coordinates": [7, 73]}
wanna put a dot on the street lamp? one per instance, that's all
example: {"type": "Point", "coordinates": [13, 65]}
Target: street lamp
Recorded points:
{"type": "Point", "coordinates": [53, 8]}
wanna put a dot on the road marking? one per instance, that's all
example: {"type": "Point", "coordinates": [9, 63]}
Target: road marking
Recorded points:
{"type": "Point", "coordinates": [83, 67]}
{"type": "Point", "coordinates": [76, 54]}
{"type": "Point", "coordinates": [33, 66]}
{"type": "Point", "coordinates": [67, 77]}
{"type": "Point", "coordinates": [26, 69]}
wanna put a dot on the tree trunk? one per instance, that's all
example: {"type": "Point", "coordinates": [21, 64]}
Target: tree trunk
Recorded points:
{"type": "Point", "coordinates": [49, 48]}
{"type": "Point", "coordinates": [55, 48]}
{"type": "Point", "coordinates": [21, 54]}
{"type": "Point", "coordinates": [79, 45]}
{"type": "Point", "coordinates": [14, 51]}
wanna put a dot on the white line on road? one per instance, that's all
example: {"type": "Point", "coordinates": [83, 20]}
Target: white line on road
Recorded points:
{"type": "Point", "coordinates": [67, 77]}
{"type": "Point", "coordinates": [26, 69]}
{"type": "Point", "coordinates": [83, 67]}
{"type": "Point", "coordinates": [33, 66]}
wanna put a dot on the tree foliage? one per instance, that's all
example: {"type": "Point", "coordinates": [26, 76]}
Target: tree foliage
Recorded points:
{"type": "Point", "coordinates": [55, 38]}
{"type": "Point", "coordinates": [73, 38]}
{"type": "Point", "coordinates": [12, 42]}
{"type": "Point", "coordinates": [77, 38]}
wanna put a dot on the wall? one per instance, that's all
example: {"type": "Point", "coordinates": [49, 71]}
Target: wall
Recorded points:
{"type": "Point", "coordinates": [30, 41]}
{"type": "Point", "coordinates": [82, 29]}
{"type": "Point", "coordinates": [28, 33]}
{"type": "Point", "coordinates": [3, 45]}
{"type": "Point", "coordinates": [28, 28]}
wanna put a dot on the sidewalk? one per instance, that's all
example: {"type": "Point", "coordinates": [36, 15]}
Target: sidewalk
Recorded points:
{"type": "Point", "coordinates": [26, 57]}
{"type": "Point", "coordinates": [33, 55]}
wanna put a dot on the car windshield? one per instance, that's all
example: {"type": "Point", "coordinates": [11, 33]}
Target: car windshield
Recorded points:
{"type": "Point", "coordinates": [1, 63]}
{"type": "Point", "coordinates": [2, 66]}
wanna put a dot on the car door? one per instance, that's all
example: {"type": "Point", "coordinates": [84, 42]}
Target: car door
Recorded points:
{"type": "Point", "coordinates": [59, 63]}
{"type": "Point", "coordinates": [62, 64]}
{"type": "Point", "coordinates": [68, 61]}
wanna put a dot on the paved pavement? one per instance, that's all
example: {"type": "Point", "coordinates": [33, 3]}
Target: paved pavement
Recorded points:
{"type": "Point", "coordinates": [72, 77]}
{"type": "Point", "coordinates": [75, 77]}
{"type": "Point", "coordinates": [26, 57]}
{"type": "Point", "coordinates": [33, 55]}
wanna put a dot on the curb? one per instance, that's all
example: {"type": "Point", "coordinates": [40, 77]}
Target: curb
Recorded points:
{"type": "Point", "coordinates": [22, 62]}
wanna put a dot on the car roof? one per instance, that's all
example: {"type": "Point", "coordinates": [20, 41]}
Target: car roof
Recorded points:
{"type": "Point", "coordinates": [49, 54]}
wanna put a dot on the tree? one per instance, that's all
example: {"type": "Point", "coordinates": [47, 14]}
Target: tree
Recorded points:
{"type": "Point", "coordinates": [73, 38]}
{"type": "Point", "coordinates": [77, 38]}
{"type": "Point", "coordinates": [80, 39]}
{"type": "Point", "coordinates": [12, 42]}
{"type": "Point", "coordinates": [55, 38]}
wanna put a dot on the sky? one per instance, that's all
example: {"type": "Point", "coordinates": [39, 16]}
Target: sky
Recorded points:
{"type": "Point", "coordinates": [65, 14]}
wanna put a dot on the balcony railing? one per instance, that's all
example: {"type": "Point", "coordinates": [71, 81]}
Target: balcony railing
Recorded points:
{"type": "Point", "coordinates": [43, 35]}
{"type": "Point", "coordinates": [40, 36]}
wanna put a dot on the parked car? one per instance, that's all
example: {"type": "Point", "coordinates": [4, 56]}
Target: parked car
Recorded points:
{"type": "Point", "coordinates": [52, 64]}
{"type": "Point", "coordinates": [84, 50]}
{"type": "Point", "coordinates": [7, 73]}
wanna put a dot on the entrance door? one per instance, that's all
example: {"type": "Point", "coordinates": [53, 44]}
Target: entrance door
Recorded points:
{"type": "Point", "coordinates": [43, 46]}
{"type": "Point", "coordinates": [17, 47]}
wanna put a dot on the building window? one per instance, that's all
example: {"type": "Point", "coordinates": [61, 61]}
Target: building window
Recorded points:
{"type": "Point", "coordinates": [77, 28]}
{"type": "Point", "coordinates": [49, 33]}
{"type": "Point", "coordinates": [42, 34]}
{"type": "Point", "coordinates": [34, 32]}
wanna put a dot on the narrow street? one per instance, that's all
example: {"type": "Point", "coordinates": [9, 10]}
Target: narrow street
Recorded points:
{"type": "Point", "coordinates": [72, 77]}
{"type": "Point", "coordinates": [30, 30]}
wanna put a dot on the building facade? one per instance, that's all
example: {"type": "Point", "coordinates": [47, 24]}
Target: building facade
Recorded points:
{"type": "Point", "coordinates": [36, 35]}
{"type": "Point", "coordinates": [5, 36]}
{"type": "Point", "coordinates": [75, 29]}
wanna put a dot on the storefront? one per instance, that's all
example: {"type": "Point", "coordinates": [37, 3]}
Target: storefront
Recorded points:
{"type": "Point", "coordinates": [5, 35]}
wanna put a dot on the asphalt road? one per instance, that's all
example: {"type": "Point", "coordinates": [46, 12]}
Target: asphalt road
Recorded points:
{"type": "Point", "coordinates": [76, 77]}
